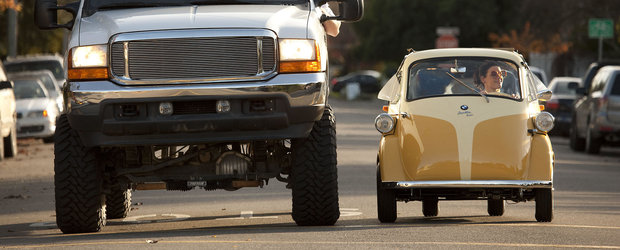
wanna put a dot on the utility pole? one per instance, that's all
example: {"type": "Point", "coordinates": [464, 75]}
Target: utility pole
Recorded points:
{"type": "Point", "coordinates": [12, 31]}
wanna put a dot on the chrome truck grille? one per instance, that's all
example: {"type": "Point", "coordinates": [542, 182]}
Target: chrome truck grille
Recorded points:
{"type": "Point", "coordinates": [192, 56]}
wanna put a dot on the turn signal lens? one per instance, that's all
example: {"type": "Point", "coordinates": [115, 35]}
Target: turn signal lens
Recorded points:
{"type": "Point", "coordinates": [544, 121]}
{"type": "Point", "coordinates": [384, 123]}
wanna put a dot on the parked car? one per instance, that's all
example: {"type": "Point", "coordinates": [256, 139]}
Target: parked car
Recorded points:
{"type": "Point", "coordinates": [369, 80]}
{"type": "Point", "coordinates": [53, 63]}
{"type": "Point", "coordinates": [542, 76]}
{"type": "Point", "coordinates": [561, 103]}
{"type": "Point", "coordinates": [443, 138]}
{"type": "Point", "coordinates": [8, 117]}
{"type": "Point", "coordinates": [36, 110]}
{"type": "Point", "coordinates": [596, 116]}
{"type": "Point", "coordinates": [48, 80]}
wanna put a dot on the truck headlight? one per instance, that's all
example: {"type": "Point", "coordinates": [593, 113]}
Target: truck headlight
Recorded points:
{"type": "Point", "coordinates": [544, 121]}
{"type": "Point", "coordinates": [299, 55]}
{"type": "Point", "coordinates": [88, 62]}
{"type": "Point", "coordinates": [384, 123]}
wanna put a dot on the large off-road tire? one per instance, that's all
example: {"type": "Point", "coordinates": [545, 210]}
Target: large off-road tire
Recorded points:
{"type": "Point", "coordinates": [593, 143]}
{"type": "Point", "coordinates": [576, 143]}
{"type": "Point", "coordinates": [430, 207]}
{"type": "Point", "coordinates": [386, 202]}
{"type": "Point", "coordinates": [314, 176]}
{"type": "Point", "coordinates": [118, 202]}
{"type": "Point", "coordinates": [544, 204]}
{"type": "Point", "coordinates": [496, 207]}
{"type": "Point", "coordinates": [10, 144]}
{"type": "Point", "coordinates": [80, 201]}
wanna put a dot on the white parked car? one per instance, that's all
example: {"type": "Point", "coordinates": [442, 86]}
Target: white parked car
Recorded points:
{"type": "Point", "coordinates": [8, 145]}
{"type": "Point", "coordinates": [36, 111]}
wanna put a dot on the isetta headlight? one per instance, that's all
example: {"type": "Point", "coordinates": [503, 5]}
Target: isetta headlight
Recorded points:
{"type": "Point", "coordinates": [544, 121]}
{"type": "Point", "coordinates": [384, 123]}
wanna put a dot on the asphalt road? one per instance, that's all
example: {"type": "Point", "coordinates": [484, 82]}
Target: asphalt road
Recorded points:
{"type": "Point", "coordinates": [587, 208]}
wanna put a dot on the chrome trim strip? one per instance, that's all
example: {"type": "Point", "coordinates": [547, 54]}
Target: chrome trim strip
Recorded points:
{"type": "Point", "coordinates": [475, 184]}
{"type": "Point", "coordinates": [126, 58]}
{"type": "Point", "coordinates": [193, 33]}
{"type": "Point", "coordinates": [259, 53]}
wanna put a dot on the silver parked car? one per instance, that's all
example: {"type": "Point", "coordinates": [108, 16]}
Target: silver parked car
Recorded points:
{"type": "Point", "coordinates": [48, 80]}
{"type": "Point", "coordinates": [596, 119]}
{"type": "Point", "coordinates": [36, 111]}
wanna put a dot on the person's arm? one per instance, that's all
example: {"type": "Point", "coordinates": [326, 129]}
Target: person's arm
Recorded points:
{"type": "Point", "coordinates": [332, 27]}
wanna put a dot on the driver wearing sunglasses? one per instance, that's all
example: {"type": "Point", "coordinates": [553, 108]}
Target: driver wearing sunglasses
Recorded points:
{"type": "Point", "coordinates": [490, 78]}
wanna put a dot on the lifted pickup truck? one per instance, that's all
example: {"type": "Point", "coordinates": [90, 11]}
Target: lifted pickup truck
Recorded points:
{"type": "Point", "coordinates": [183, 94]}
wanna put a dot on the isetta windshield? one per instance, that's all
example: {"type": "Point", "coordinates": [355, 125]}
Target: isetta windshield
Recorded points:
{"type": "Point", "coordinates": [458, 76]}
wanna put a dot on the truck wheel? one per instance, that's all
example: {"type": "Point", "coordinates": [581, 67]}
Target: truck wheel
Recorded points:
{"type": "Point", "coordinates": [10, 144]}
{"type": "Point", "coordinates": [386, 202]}
{"type": "Point", "coordinates": [314, 175]}
{"type": "Point", "coordinates": [593, 143]}
{"type": "Point", "coordinates": [430, 207]}
{"type": "Point", "coordinates": [544, 205]}
{"type": "Point", "coordinates": [78, 181]}
{"type": "Point", "coordinates": [118, 202]}
{"type": "Point", "coordinates": [495, 207]}
{"type": "Point", "coordinates": [575, 142]}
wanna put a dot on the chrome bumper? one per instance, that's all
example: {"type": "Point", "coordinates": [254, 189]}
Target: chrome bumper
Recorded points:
{"type": "Point", "coordinates": [469, 184]}
{"type": "Point", "coordinates": [299, 99]}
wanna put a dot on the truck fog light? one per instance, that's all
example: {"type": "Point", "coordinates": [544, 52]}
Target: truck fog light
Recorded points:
{"type": "Point", "coordinates": [544, 121]}
{"type": "Point", "coordinates": [222, 106]}
{"type": "Point", "coordinates": [165, 108]}
{"type": "Point", "coordinates": [384, 123]}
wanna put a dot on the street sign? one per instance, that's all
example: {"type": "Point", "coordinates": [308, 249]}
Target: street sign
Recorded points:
{"type": "Point", "coordinates": [600, 28]}
{"type": "Point", "coordinates": [446, 41]}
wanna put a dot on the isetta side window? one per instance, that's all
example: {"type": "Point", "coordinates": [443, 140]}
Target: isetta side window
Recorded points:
{"type": "Point", "coordinates": [459, 76]}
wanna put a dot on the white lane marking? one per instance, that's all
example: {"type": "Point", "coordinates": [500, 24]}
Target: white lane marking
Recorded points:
{"type": "Point", "coordinates": [345, 212]}
{"type": "Point", "coordinates": [141, 218]}
{"type": "Point", "coordinates": [43, 224]}
{"type": "Point", "coordinates": [248, 215]}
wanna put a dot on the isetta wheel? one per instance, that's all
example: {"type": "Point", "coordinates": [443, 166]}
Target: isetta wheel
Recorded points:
{"type": "Point", "coordinates": [496, 207]}
{"type": "Point", "coordinates": [544, 205]}
{"type": "Point", "coordinates": [386, 202]}
{"type": "Point", "coordinates": [430, 207]}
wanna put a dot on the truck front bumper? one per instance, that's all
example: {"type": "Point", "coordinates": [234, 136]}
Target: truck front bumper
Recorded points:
{"type": "Point", "coordinates": [107, 114]}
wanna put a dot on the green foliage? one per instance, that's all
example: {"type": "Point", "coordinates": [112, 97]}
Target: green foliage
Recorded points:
{"type": "Point", "coordinates": [390, 27]}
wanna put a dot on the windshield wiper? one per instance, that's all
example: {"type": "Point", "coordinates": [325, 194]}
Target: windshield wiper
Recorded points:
{"type": "Point", "coordinates": [470, 88]}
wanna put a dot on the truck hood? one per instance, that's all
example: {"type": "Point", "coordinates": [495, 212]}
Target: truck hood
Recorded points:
{"type": "Point", "coordinates": [285, 21]}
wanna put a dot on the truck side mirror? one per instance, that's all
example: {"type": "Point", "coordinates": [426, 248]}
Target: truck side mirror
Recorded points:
{"type": "Point", "coordinates": [46, 14]}
{"type": "Point", "coordinates": [349, 10]}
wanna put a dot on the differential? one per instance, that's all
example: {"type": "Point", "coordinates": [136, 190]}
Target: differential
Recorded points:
{"type": "Point", "coordinates": [232, 163]}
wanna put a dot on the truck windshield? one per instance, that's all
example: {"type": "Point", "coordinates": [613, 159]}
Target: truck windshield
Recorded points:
{"type": "Point", "coordinates": [92, 6]}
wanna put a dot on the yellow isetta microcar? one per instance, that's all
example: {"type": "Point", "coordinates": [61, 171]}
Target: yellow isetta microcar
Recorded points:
{"type": "Point", "coordinates": [464, 124]}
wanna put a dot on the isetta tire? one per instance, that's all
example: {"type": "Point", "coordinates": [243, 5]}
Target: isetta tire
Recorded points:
{"type": "Point", "coordinates": [544, 205]}
{"type": "Point", "coordinates": [430, 207]}
{"type": "Point", "coordinates": [495, 207]}
{"type": "Point", "coordinates": [315, 176]}
{"type": "Point", "coordinates": [80, 201]}
{"type": "Point", "coordinates": [10, 144]}
{"type": "Point", "coordinates": [386, 202]}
